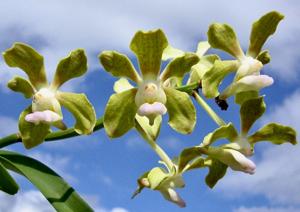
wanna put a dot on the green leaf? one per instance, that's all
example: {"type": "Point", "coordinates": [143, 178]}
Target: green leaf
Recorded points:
{"type": "Point", "coordinates": [148, 132]}
{"type": "Point", "coordinates": [264, 57]}
{"type": "Point", "coordinates": [217, 171]}
{"type": "Point", "coordinates": [241, 97]}
{"type": "Point", "coordinates": [222, 36]}
{"type": "Point", "coordinates": [179, 66]}
{"type": "Point", "coordinates": [226, 131]}
{"type": "Point", "coordinates": [205, 64]}
{"type": "Point", "coordinates": [82, 110]}
{"type": "Point", "coordinates": [72, 66]}
{"type": "Point", "coordinates": [32, 134]}
{"type": "Point", "coordinates": [26, 58]}
{"type": "Point", "coordinates": [60, 194]}
{"type": "Point", "coordinates": [276, 133]}
{"type": "Point", "coordinates": [118, 65]}
{"type": "Point", "coordinates": [19, 84]}
{"type": "Point", "coordinates": [202, 48]}
{"type": "Point", "coordinates": [120, 111]}
{"type": "Point", "coordinates": [213, 78]}
{"type": "Point", "coordinates": [250, 111]}
{"type": "Point", "coordinates": [156, 176]}
{"type": "Point", "coordinates": [149, 47]}
{"type": "Point", "coordinates": [261, 30]}
{"type": "Point", "coordinates": [7, 183]}
{"type": "Point", "coordinates": [182, 113]}
{"type": "Point", "coordinates": [170, 52]}
{"type": "Point", "coordinates": [188, 155]}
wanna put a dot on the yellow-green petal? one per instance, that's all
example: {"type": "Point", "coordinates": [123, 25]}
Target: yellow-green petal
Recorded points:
{"type": "Point", "coordinates": [148, 132]}
{"type": "Point", "coordinates": [118, 65]}
{"type": "Point", "coordinates": [204, 65]}
{"type": "Point", "coordinates": [250, 111]}
{"type": "Point", "coordinates": [202, 48]}
{"type": "Point", "coordinates": [213, 78]}
{"type": "Point", "coordinates": [19, 84]}
{"type": "Point", "coordinates": [275, 133]}
{"type": "Point", "coordinates": [261, 30]}
{"type": "Point", "coordinates": [170, 52]}
{"type": "Point", "coordinates": [120, 111]}
{"type": "Point", "coordinates": [82, 110]}
{"type": "Point", "coordinates": [222, 36]}
{"type": "Point", "coordinates": [32, 134]}
{"type": "Point", "coordinates": [217, 171]}
{"type": "Point", "coordinates": [148, 47]}
{"type": "Point", "coordinates": [30, 61]}
{"type": "Point", "coordinates": [72, 66]}
{"type": "Point", "coordinates": [182, 113]}
{"type": "Point", "coordinates": [227, 131]}
{"type": "Point", "coordinates": [179, 66]}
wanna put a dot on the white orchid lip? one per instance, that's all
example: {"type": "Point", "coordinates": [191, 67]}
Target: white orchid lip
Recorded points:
{"type": "Point", "coordinates": [174, 197]}
{"type": "Point", "coordinates": [47, 116]}
{"type": "Point", "coordinates": [249, 66]}
{"type": "Point", "coordinates": [244, 164]}
{"type": "Point", "coordinates": [156, 108]}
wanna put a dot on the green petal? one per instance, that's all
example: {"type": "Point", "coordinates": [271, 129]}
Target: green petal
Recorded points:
{"type": "Point", "coordinates": [204, 65]}
{"type": "Point", "coordinates": [241, 97]}
{"type": "Point", "coordinates": [179, 66]}
{"type": "Point", "coordinates": [250, 111]}
{"type": "Point", "coordinates": [275, 133]}
{"type": "Point", "coordinates": [122, 85]}
{"type": "Point", "coordinates": [264, 57]}
{"type": "Point", "coordinates": [82, 110]}
{"type": "Point", "coordinates": [188, 155]}
{"type": "Point", "coordinates": [171, 52]}
{"type": "Point", "coordinates": [7, 183]}
{"type": "Point", "coordinates": [26, 58]}
{"type": "Point", "coordinates": [182, 113]}
{"type": "Point", "coordinates": [227, 131]}
{"type": "Point", "coordinates": [213, 78]}
{"type": "Point", "coordinates": [202, 48]}
{"type": "Point", "coordinates": [118, 65]}
{"type": "Point", "coordinates": [217, 171]}
{"type": "Point", "coordinates": [149, 47]}
{"type": "Point", "coordinates": [31, 134]}
{"type": "Point", "coordinates": [149, 132]}
{"type": "Point", "coordinates": [120, 111]}
{"type": "Point", "coordinates": [222, 36]}
{"type": "Point", "coordinates": [261, 30]}
{"type": "Point", "coordinates": [72, 66]}
{"type": "Point", "coordinates": [156, 176]}
{"type": "Point", "coordinates": [19, 84]}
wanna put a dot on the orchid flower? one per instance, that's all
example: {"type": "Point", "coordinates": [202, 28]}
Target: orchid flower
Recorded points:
{"type": "Point", "coordinates": [247, 66]}
{"type": "Point", "coordinates": [45, 110]}
{"type": "Point", "coordinates": [152, 97]}
{"type": "Point", "coordinates": [241, 145]}
{"type": "Point", "coordinates": [163, 181]}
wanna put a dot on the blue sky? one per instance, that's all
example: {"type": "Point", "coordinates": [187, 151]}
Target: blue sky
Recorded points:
{"type": "Point", "coordinates": [104, 171]}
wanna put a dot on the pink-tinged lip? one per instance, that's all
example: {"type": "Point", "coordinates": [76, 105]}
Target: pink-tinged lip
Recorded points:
{"type": "Point", "coordinates": [156, 108]}
{"type": "Point", "coordinates": [42, 116]}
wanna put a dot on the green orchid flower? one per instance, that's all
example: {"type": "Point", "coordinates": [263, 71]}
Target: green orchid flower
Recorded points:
{"type": "Point", "coordinates": [45, 110]}
{"type": "Point", "coordinates": [164, 181]}
{"type": "Point", "coordinates": [235, 154]}
{"type": "Point", "coordinates": [153, 96]}
{"type": "Point", "coordinates": [247, 66]}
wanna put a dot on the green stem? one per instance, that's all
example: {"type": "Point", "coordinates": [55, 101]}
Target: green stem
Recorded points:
{"type": "Point", "coordinates": [208, 109]}
{"type": "Point", "coordinates": [58, 135]}
{"type": "Point", "coordinates": [161, 153]}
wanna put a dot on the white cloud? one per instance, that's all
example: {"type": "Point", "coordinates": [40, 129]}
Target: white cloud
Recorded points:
{"type": "Point", "coordinates": [29, 201]}
{"type": "Point", "coordinates": [278, 170]}
{"type": "Point", "coordinates": [56, 27]}
{"type": "Point", "coordinates": [267, 209]}
{"type": "Point", "coordinates": [7, 126]}
{"type": "Point", "coordinates": [34, 201]}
